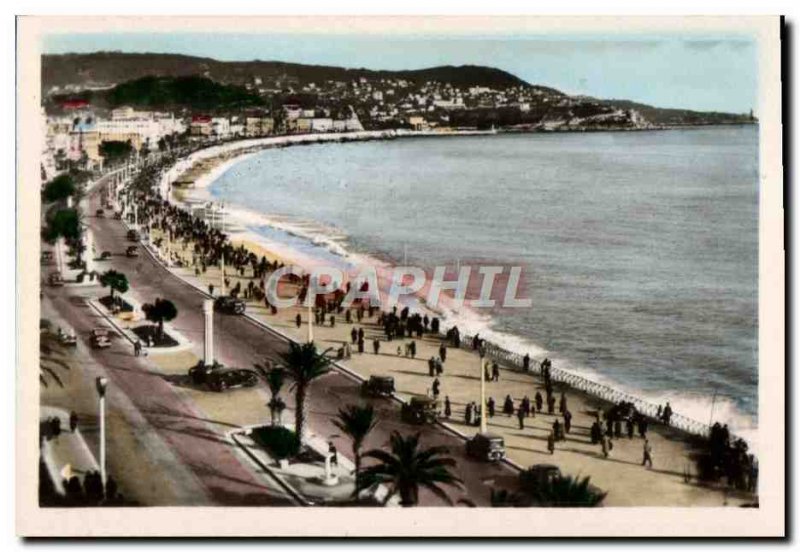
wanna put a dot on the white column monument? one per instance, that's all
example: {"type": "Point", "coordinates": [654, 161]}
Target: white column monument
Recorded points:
{"type": "Point", "coordinates": [208, 349]}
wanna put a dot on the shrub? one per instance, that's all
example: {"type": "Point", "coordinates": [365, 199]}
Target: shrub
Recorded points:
{"type": "Point", "coordinates": [279, 441]}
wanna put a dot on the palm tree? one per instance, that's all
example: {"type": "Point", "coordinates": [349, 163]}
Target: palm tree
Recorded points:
{"type": "Point", "coordinates": [162, 310]}
{"type": "Point", "coordinates": [408, 467]}
{"type": "Point", "coordinates": [568, 492]}
{"type": "Point", "coordinates": [304, 365]}
{"type": "Point", "coordinates": [275, 378]}
{"type": "Point", "coordinates": [356, 422]}
{"type": "Point", "coordinates": [115, 281]}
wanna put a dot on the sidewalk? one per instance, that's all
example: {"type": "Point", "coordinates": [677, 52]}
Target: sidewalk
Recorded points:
{"type": "Point", "coordinates": [68, 454]}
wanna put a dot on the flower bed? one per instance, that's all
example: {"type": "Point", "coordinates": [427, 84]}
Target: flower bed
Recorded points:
{"type": "Point", "coordinates": [280, 442]}
{"type": "Point", "coordinates": [148, 333]}
{"type": "Point", "coordinates": [123, 305]}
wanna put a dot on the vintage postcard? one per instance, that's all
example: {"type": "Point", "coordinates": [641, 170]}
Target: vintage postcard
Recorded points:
{"type": "Point", "coordinates": [400, 276]}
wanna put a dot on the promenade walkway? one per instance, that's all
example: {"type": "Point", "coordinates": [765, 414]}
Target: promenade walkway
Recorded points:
{"type": "Point", "coordinates": [671, 481]}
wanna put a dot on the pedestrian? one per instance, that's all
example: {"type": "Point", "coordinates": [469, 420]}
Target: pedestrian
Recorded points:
{"type": "Point", "coordinates": [439, 367]}
{"type": "Point", "coordinates": [508, 406]}
{"type": "Point", "coordinates": [667, 414]}
{"type": "Point", "coordinates": [558, 432]}
{"type": "Point", "coordinates": [642, 426]}
{"type": "Point", "coordinates": [562, 403]}
{"type": "Point", "coordinates": [629, 427]}
{"type": "Point", "coordinates": [353, 335]}
{"type": "Point", "coordinates": [490, 407]}
{"type": "Point", "coordinates": [538, 399]}
{"type": "Point", "coordinates": [526, 362]}
{"type": "Point", "coordinates": [495, 372]}
{"type": "Point", "coordinates": [334, 454]}
{"type": "Point", "coordinates": [551, 443]}
{"type": "Point", "coordinates": [399, 351]}
{"type": "Point", "coordinates": [435, 388]}
{"type": "Point", "coordinates": [211, 289]}
{"type": "Point", "coordinates": [443, 352]}
{"type": "Point", "coordinates": [73, 421]}
{"type": "Point", "coordinates": [604, 442]}
{"type": "Point", "coordinates": [137, 348]}
{"type": "Point", "coordinates": [521, 417]}
{"type": "Point", "coordinates": [551, 404]}
{"type": "Point", "coordinates": [361, 345]}
{"type": "Point", "coordinates": [412, 348]}
{"type": "Point", "coordinates": [431, 367]}
{"type": "Point", "coordinates": [567, 421]}
{"type": "Point", "coordinates": [647, 454]}
{"type": "Point", "coordinates": [298, 320]}
{"type": "Point", "coordinates": [447, 410]}
{"type": "Point", "coordinates": [333, 321]}
{"type": "Point", "coordinates": [376, 345]}
{"type": "Point", "coordinates": [348, 317]}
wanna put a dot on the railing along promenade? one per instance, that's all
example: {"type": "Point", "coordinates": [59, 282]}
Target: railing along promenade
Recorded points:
{"type": "Point", "coordinates": [514, 361]}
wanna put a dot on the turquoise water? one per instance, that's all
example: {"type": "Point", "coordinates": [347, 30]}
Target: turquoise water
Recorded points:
{"type": "Point", "coordinates": [639, 250]}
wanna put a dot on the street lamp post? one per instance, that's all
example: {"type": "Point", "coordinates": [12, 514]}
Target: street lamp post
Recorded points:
{"type": "Point", "coordinates": [310, 325]}
{"type": "Point", "coordinates": [101, 384]}
{"type": "Point", "coordinates": [481, 354]}
{"type": "Point", "coordinates": [222, 253]}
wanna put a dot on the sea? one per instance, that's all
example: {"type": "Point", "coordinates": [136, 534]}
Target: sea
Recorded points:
{"type": "Point", "coordinates": [639, 250]}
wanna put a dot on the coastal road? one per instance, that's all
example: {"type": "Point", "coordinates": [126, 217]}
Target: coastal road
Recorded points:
{"type": "Point", "coordinates": [240, 342]}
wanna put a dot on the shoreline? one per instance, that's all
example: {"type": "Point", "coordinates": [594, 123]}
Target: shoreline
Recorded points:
{"type": "Point", "coordinates": [248, 236]}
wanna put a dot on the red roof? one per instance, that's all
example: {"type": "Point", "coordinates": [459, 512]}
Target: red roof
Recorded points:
{"type": "Point", "coordinates": [74, 104]}
{"type": "Point", "coordinates": [201, 119]}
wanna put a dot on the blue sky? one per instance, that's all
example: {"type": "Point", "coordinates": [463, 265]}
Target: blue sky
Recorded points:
{"type": "Point", "coordinates": [694, 72]}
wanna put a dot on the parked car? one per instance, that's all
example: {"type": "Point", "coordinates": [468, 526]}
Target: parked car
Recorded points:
{"type": "Point", "coordinates": [487, 447]}
{"type": "Point", "coordinates": [133, 235]}
{"type": "Point", "coordinates": [100, 341]}
{"type": "Point", "coordinates": [538, 475]}
{"type": "Point", "coordinates": [222, 379]}
{"type": "Point", "coordinates": [67, 339]}
{"type": "Point", "coordinates": [99, 213]}
{"type": "Point", "coordinates": [378, 386]}
{"type": "Point", "coordinates": [105, 255]}
{"type": "Point", "coordinates": [55, 279]}
{"type": "Point", "coordinates": [420, 410]}
{"type": "Point", "coordinates": [118, 215]}
{"type": "Point", "coordinates": [132, 251]}
{"type": "Point", "coordinates": [230, 305]}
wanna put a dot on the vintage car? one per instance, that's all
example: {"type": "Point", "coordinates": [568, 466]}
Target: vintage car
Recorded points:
{"type": "Point", "coordinates": [539, 475]}
{"type": "Point", "coordinates": [220, 379]}
{"type": "Point", "coordinates": [230, 305]}
{"type": "Point", "coordinates": [55, 279]}
{"type": "Point", "coordinates": [420, 410]}
{"type": "Point", "coordinates": [118, 215]}
{"type": "Point", "coordinates": [105, 255]}
{"type": "Point", "coordinates": [133, 235]}
{"type": "Point", "coordinates": [100, 341]}
{"type": "Point", "coordinates": [67, 339]}
{"type": "Point", "coordinates": [487, 447]}
{"type": "Point", "coordinates": [378, 386]}
{"type": "Point", "coordinates": [132, 251]}
{"type": "Point", "coordinates": [99, 213]}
